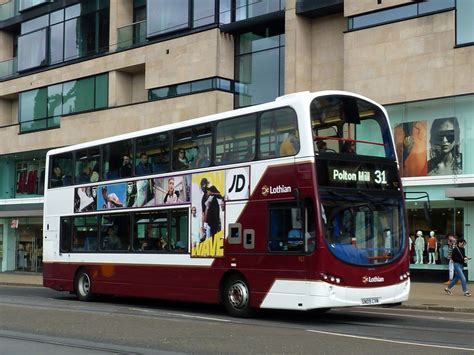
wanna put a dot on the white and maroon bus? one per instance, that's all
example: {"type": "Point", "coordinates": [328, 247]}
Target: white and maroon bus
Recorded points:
{"type": "Point", "coordinates": [295, 204]}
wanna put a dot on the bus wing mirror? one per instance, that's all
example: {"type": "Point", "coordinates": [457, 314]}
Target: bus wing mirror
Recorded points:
{"type": "Point", "coordinates": [296, 222]}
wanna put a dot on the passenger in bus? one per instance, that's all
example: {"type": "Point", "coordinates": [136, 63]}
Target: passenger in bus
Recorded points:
{"type": "Point", "coordinates": [112, 241]}
{"type": "Point", "coordinates": [322, 146]}
{"type": "Point", "coordinates": [126, 168]}
{"type": "Point", "coordinates": [181, 161]}
{"type": "Point", "coordinates": [348, 147]}
{"type": "Point", "coordinates": [143, 167]}
{"type": "Point", "coordinates": [201, 160]}
{"type": "Point", "coordinates": [290, 145]}
{"type": "Point", "coordinates": [180, 247]}
{"type": "Point", "coordinates": [57, 177]}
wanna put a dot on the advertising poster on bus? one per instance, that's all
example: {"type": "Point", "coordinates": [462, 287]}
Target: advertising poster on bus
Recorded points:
{"type": "Point", "coordinates": [111, 196]}
{"type": "Point", "coordinates": [172, 190]}
{"type": "Point", "coordinates": [207, 214]}
{"type": "Point", "coordinates": [140, 193]}
{"type": "Point", "coordinates": [85, 199]}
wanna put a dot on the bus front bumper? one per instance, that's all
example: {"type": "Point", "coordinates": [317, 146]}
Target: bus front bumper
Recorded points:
{"type": "Point", "coordinates": [307, 295]}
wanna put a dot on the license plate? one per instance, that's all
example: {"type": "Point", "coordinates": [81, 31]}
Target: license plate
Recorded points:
{"type": "Point", "coordinates": [370, 300]}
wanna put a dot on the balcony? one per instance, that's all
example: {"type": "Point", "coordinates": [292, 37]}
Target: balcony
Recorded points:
{"type": "Point", "coordinates": [131, 35]}
{"type": "Point", "coordinates": [8, 68]}
{"type": "Point", "coordinates": [8, 10]}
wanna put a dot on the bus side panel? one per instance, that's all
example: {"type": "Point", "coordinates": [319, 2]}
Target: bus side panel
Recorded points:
{"type": "Point", "coordinates": [196, 284]}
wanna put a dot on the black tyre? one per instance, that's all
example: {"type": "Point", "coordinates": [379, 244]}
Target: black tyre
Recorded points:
{"type": "Point", "coordinates": [236, 297]}
{"type": "Point", "coordinates": [83, 286]}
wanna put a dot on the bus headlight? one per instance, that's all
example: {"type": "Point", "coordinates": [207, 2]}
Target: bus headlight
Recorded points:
{"type": "Point", "coordinates": [330, 278]}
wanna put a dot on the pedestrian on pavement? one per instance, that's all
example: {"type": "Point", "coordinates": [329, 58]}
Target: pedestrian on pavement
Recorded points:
{"type": "Point", "coordinates": [451, 245]}
{"type": "Point", "coordinates": [460, 259]}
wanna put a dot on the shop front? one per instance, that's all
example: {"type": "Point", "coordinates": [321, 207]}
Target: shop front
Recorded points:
{"type": "Point", "coordinates": [21, 238]}
{"type": "Point", "coordinates": [434, 140]}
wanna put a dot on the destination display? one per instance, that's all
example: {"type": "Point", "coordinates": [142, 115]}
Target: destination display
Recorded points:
{"type": "Point", "coordinates": [362, 175]}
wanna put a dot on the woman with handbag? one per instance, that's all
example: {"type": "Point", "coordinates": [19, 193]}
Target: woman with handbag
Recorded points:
{"type": "Point", "coordinates": [459, 259]}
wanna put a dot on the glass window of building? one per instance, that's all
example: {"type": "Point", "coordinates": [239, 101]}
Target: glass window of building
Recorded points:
{"type": "Point", "coordinates": [464, 22]}
{"type": "Point", "coordinates": [245, 9]}
{"type": "Point", "coordinates": [75, 31]}
{"type": "Point", "coordinates": [204, 12]}
{"type": "Point", "coordinates": [42, 108]}
{"type": "Point", "coordinates": [433, 137]}
{"type": "Point", "coordinates": [165, 16]}
{"type": "Point", "coordinates": [259, 67]}
{"type": "Point", "coordinates": [32, 50]}
{"type": "Point", "coordinates": [27, 4]}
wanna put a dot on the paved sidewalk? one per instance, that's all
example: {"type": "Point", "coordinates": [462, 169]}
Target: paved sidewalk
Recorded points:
{"type": "Point", "coordinates": [423, 295]}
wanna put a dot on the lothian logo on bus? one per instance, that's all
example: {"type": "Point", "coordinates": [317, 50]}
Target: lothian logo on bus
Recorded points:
{"type": "Point", "coordinates": [368, 279]}
{"type": "Point", "coordinates": [272, 190]}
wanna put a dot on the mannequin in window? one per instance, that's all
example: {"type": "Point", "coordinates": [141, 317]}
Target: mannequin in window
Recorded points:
{"type": "Point", "coordinates": [432, 246]}
{"type": "Point", "coordinates": [419, 247]}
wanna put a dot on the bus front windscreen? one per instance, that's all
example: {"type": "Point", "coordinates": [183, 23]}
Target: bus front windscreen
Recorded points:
{"type": "Point", "coordinates": [362, 230]}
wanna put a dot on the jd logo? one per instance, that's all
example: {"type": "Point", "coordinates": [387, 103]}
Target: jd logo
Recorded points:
{"type": "Point", "coordinates": [238, 184]}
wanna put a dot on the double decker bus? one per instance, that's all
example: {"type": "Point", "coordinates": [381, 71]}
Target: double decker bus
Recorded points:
{"type": "Point", "coordinates": [295, 204]}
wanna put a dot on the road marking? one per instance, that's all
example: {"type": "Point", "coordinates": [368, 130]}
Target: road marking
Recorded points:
{"type": "Point", "coordinates": [182, 315]}
{"type": "Point", "coordinates": [200, 317]}
{"type": "Point", "coordinates": [390, 341]}
{"type": "Point", "coordinates": [413, 316]}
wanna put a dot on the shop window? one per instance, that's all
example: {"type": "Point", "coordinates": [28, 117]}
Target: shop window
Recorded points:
{"type": "Point", "coordinates": [30, 177]}
{"type": "Point", "coordinates": [442, 221]}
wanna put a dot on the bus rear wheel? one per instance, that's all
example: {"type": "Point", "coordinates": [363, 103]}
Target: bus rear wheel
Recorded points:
{"type": "Point", "coordinates": [83, 286]}
{"type": "Point", "coordinates": [237, 297]}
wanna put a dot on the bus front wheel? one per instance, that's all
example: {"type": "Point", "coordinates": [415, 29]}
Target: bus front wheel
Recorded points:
{"type": "Point", "coordinates": [237, 297]}
{"type": "Point", "coordinates": [83, 286]}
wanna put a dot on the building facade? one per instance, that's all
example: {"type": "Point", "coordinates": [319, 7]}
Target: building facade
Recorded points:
{"type": "Point", "coordinates": [73, 71]}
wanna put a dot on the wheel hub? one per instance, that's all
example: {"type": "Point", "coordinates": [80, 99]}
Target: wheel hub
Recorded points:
{"type": "Point", "coordinates": [238, 295]}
